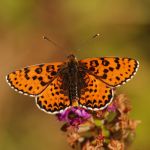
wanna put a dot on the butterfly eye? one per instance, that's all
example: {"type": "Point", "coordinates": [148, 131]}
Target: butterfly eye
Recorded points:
{"type": "Point", "coordinates": [71, 57]}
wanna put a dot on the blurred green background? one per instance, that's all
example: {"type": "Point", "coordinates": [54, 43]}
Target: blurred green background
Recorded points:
{"type": "Point", "coordinates": [125, 29]}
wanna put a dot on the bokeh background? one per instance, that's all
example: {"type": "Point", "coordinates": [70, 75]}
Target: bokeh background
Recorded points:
{"type": "Point", "coordinates": [125, 29]}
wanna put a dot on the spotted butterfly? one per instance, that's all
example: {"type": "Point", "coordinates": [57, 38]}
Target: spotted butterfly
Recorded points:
{"type": "Point", "coordinates": [86, 83]}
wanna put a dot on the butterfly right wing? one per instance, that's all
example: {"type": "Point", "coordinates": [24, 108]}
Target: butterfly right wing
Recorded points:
{"type": "Point", "coordinates": [33, 80]}
{"type": "Point", "coordinates": [96, 95]}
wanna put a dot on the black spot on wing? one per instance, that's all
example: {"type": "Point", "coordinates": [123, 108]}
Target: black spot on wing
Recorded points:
{"type": "Point", "coordinates": [45, 101]}
{"type": "Point", "coordinates": [49, 68]}
{"type": "Point", "coordinates": [104, 76]}
{"type": "Point", "coordinates": [116, 60]}
{"type": "Point", "coordinates": [105, 62]}
{"type": "Point", "coordinates": [105, 70]}
{"type": "Point", "coordinates": [92, 69]}
{"type": "Point", "coordinates": [94, 63]}
{"type": "Point", "coordinates": [118, 66]}
{"type": "Point", "coordinates": [103, 96]}
{"type": "Point", "coordinates": [30, 88]}
{"type": "Point", "coordinates": [88, 103]}
{"type": "Point", "coordinates": [26, 71]}
{"type": "Point", "coordinates": [91, 90]}
{"type": "Point", "coordinates": [43, 83]}
{"type": "Point", "coordinates": [111, 68]}
{"type": "Point", "coordinates": [117, 78]}
{"type": "Point", "coordinates": [109, 96]}
{"type": "Point", "coordinates": [38, 70]}
{"type": "Point", "coordinates": [61, 104]}
{"type": "Point", "coordinates": [95, 90]}
{"type": "Point", "coordinates": [27, 77]}
{"type": "Point", "coordinates": [50, 105]}
{"type": "Point", "coordinates": [40, 78]}
{"type": "Point", "coordinates": [57, 93]}
{"type": "Point", "coordinates": [53, 73]}
{"type": "Point", "coordinates": [34, 77]}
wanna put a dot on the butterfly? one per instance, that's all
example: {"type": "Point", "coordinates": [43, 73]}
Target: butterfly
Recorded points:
{"type": "Point", "coordinates": [87, 83]}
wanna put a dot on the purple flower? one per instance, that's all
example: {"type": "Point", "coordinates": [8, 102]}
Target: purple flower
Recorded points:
{"type": "Point", "coordinates": [74, 115]}
{"type": "Point", "coordinates": [111, 108]}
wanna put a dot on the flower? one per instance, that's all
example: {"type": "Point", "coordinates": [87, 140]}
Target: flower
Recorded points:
{"type": "Point", "coordinates": [73, 138]}
{"type": "Point", "coordinates": [74, 116]}
{"type": "Point", "coordinates": [111, 128]}
{"type": "Point", "coordinates": [111, 108]}
{"type": "Point", "coordinates": [116, 145]}
{"type": "Point", "coordinates": [122, 104]}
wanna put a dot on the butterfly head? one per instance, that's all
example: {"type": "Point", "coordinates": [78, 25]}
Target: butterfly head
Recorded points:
{"type": "Point", "coordinates": [71, 58]}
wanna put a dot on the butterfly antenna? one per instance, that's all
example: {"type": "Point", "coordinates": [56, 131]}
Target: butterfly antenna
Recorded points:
{"type": "Point", "coordinates": [93, 37]}
{"type": "Point", "coordinates": [96, 35]}
{"type": "Point", "coordinates": [53, 42]}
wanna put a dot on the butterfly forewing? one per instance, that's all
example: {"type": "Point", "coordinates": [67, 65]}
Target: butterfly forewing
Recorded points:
{"type": "Point", "coordinates": [33, 80]}
{"type": "Point", "coordinates": [96, 95]}
{"type": "Point", "coordinates": [113, 71]}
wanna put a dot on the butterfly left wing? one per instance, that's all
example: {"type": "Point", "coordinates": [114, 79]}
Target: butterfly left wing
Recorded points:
{"type": "Point", "coordinates": [113, 71]}
{"type": "Point", "coordinates": [96, 95]}
{"type": "Point", "coordinates": [54, 98]}
{"type": "Point", "coordinates": [33, 80]}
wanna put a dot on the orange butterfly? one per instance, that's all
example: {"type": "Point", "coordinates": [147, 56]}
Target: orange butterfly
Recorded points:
{"type": "Point", "coordinates": [88, 83]}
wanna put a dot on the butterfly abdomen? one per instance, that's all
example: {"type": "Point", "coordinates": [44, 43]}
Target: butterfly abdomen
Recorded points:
{"type": "Point", "coordinates": [73, 80]}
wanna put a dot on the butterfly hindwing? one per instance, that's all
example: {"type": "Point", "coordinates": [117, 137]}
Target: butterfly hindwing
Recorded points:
{"type": "Point", "coordinates": [33, 80]}
{"type": "Point", "coordinates": [113, 71]}
{"type": "Point", "coordinates": [53, 99]}
{"type": "Point", "coordinates": [96, 95]}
